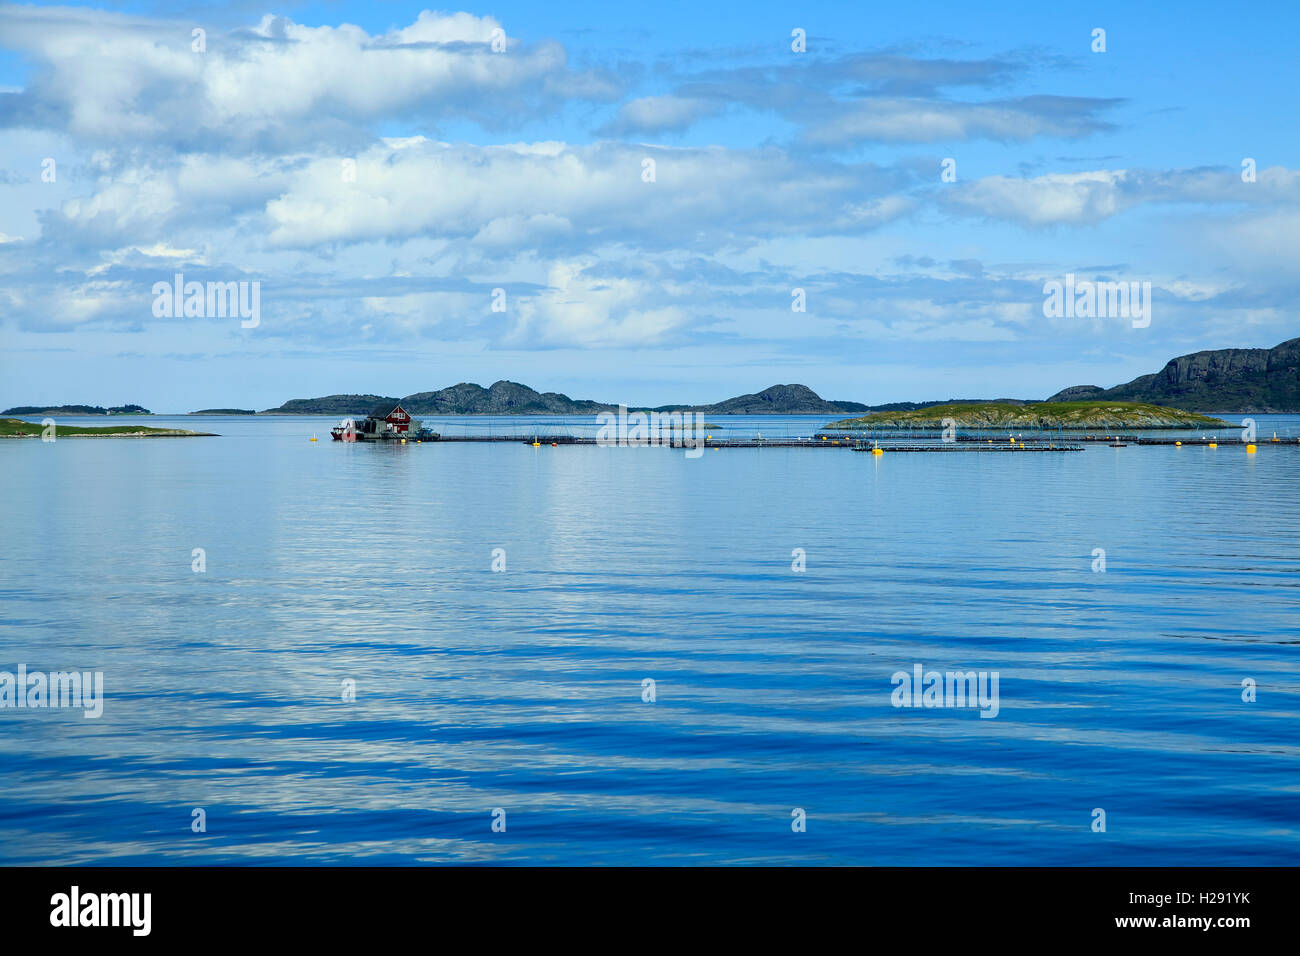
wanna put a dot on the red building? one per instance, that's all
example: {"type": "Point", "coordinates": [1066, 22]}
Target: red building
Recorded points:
{"type": "Point", "coordinates": [387, 418]}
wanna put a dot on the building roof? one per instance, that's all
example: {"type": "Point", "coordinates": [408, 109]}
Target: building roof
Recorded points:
{"type": "Point", "coordinates": [386, 409]}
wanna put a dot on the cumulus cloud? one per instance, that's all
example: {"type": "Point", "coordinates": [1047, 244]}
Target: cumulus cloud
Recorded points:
{"type": "Point", "coordinates": [262, 158]}
{"type": "Point", "coordinates": [526, 193]}
{"type": "Point", "coordinates": [587, 311]}
{"type": "Point", "coordinates": [889, 98]}
{"type": "Point", "coordinates": [111, 78]}
{"type": "Point", "coordinates": [1056, 197]}
{"type": "Point", "coordinates": [1096, 195]}
{"type": "Point", "coordinates": [912, 120]}
{"type": "Point", "coordinates": [659, 114]}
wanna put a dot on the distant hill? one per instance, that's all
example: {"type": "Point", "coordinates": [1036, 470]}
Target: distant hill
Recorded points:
{"type": "Point", "coordinates": [224, 411]}
{"type": "Point", "coordinates": [354, 405]}
{"type": "Point", "coordinates": [511, 398]}
{"type": "Point", "coordinates": [1107, 414]}
{"type": "Point", "coordinates": [502, 398]}
{"type": "Point", "coordinates": [777, 400]}
{"type": "Point", "coordinates": [1222, 380]}
{"type": "Point", "coordinates": [76, 410]}
{"type": "Point", "coordinates": [915, 406]}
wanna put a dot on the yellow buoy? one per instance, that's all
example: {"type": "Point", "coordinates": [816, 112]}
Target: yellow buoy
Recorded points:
{"type": "Point", "coordinates": [537, 444]}
{"type": "Point", "coordinates": [1250, 449]}
{"type": "Point", "coordinates": [877, 451]}
{"type": "Point", "coordinates": [1179, 444]}
{"type": "Point", "coordinates": [403, 441]}
{"type": "Point", "coordinates": [312, 438]}
{"type": "Point", "coordinates": [1214, 444]}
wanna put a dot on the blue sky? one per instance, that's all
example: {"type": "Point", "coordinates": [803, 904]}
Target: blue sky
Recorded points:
{"type": "Point", "coordinates": [522, 171]}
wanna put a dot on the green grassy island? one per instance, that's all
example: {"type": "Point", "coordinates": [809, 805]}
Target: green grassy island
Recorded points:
{"type": "Point", "coordinates": [17, 428]}
{"type": "Point", "coordinates": [1044, 415]}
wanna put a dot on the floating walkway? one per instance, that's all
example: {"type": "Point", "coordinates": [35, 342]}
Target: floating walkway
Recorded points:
{"type": "Point", "coordinates": [1213, 442]}
{"type": "Point", "coordinates": [540, 433]}
{"type": "Point", "coordinates": [896, 445]}
{"type": "Point", "coordinates": [982, 437]}
{"type": "Point", "coordinates": [956, 447]}
{"type": "Point", "coordinates": [1027, 443]}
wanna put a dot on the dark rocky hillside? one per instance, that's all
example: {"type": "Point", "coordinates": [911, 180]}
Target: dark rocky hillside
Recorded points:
{"type": "Point", "coordinates": [1220, 380]}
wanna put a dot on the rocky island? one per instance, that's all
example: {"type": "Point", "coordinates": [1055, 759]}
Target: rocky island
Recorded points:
{"type": "Point", "coordinates": [1217, 380]}
{"type": "Point", "coordinates": [1040, 415]}
{"type": "Point", "coordinates": [512, 398]}
{"type": "Point", "coordinates": [76, 410]}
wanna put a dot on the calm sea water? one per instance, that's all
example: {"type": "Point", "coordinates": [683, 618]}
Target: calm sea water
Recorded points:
{"type": "Point", "coordinates": [523, 689]}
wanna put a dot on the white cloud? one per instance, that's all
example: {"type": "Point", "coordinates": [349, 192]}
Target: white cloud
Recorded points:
{"type": "Point", "coordinates": [509, 193]}
{"type": "Point", "coordinates": [918, 120]}
{"type": "Point", "coordinates": [231, 162]}
{"type": "Point", "coordinates": [515, 231]}
{"type": "Point", "coordinates": [112, 78]}
{"type": "Point", "coordinates": [1054, 198]}
{"type": "Point", "coordinates": [579, 310]}
{"type": "Point", "coordinates": [1089, 197]}
{"type": "Point", "coordinates": [660, 114]}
